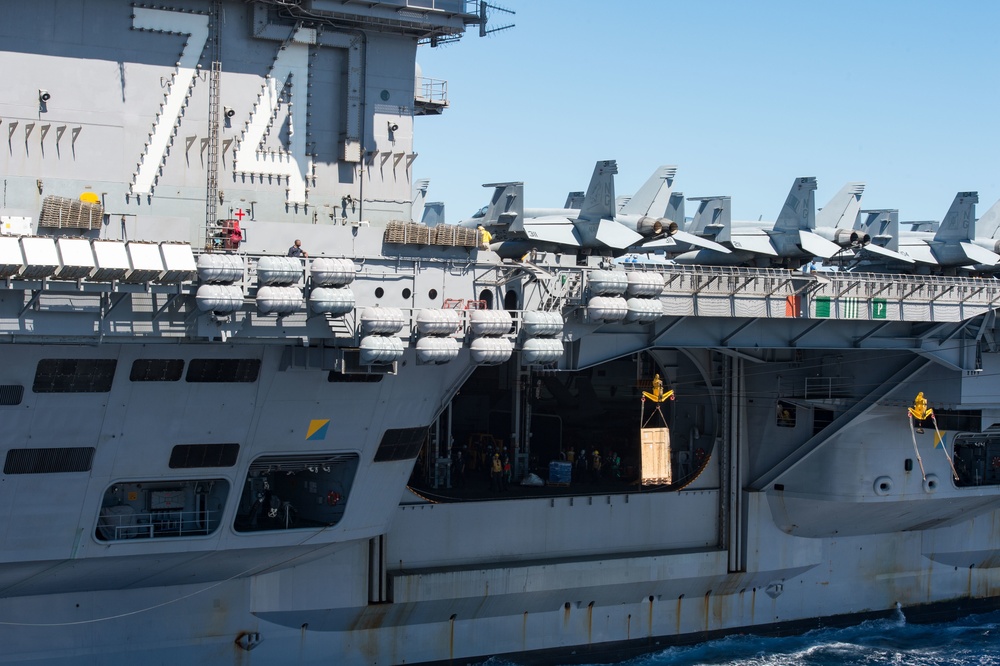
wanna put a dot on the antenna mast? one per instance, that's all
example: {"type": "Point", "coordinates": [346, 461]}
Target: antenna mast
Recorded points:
{"type": "Point", "coordinates": [212, 228]}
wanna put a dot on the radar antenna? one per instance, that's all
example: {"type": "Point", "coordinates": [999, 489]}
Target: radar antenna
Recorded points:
{"type": "Point", "coordinates": [486, 10]}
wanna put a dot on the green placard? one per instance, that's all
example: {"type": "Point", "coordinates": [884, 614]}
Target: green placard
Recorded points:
{"type": "Point", "coordinates": [879, 308]}
{"type": "Point", "coordinates": [822, 306]}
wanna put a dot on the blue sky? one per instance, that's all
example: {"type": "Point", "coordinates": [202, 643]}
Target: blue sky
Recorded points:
{"type": "Point", "coordinates": [742, 96]}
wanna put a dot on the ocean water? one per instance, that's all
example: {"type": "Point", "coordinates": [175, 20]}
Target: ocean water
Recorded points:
{"type": "Point", "coordinates": [968, 641]}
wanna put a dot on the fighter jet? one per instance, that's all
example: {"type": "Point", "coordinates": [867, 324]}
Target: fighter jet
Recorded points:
{"type": "Point", "coordinates": [793, 239]}
{"type": "Point", "coordinates": [953, 245]}
{"type": "Point", "coordinates": [596, 227]}
{"type": "Point", "coordinates": [836, 221]}
{"type": "Point", "coordinates": [989, 227]}
{"type": "Point", "coordinates": [656, 193]}
{"type": "Point", "coordinates": [882, 252]}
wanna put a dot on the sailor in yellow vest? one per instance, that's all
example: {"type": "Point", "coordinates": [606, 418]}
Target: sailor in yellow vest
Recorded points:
{"type": "Point", "coordinates": [496, 473]}
{"type": "Point", "coordinates": [484, 237]}
{"type": "Point", "coordinates": [595, 469]}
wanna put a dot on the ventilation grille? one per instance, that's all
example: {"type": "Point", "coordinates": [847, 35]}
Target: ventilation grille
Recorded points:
{"type": "Point", "coordinates": [49, 461]}
{"type": "Point", "coordinates": [11, 394]}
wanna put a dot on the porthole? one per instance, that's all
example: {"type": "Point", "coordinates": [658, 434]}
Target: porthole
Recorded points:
{"type": "Point", "coordinates": [379, 292]}
{"type": "Point", "coordinates": [406, 293]}
{"type": "Point", "coordinates": [432, 294]}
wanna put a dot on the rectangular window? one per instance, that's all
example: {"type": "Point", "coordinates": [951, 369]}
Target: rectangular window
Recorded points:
{"type": "Point", "coordinates": [401, 444]}
{"type": "Point", "coordinates": [976, 455]}
{"type": "Point", "coordinates": [11, 394]}
{"type": "Point", "coordinates": [161, 509]}
{"type": "Point", "coordinates": [157, 370]}
{"type": "Point", "coordinates": [74, 375]}
{"type": "Point", "coordinates": [335, 376]}
{"type": "Point", "coordinates": [785, 414]}
{"type": "Point", "coordinates": [223, 370]}
{"type": "Point", "coordinates": [296, 492]}
{"type": "Point", "coordinates": [185, 456]}
{"type": "Point", "coordinates": [49, 461]}
{"type": "Point", "coordinates": [968, 420]}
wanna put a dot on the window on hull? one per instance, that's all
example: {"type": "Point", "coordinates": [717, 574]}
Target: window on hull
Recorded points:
{"type": "Point", "coordinates": [785, 413]}
{"type": "Point", "coordinates": [296, 492]}
{"type": "Point", "coordinates": [157, 370]}
{"type": "Point", "coordinates": [401, 443]}
{"type": "Point", "coordinates": [219, 370]}
{"type": "Point", "coordinates": [186, 456]}
{"type": "Point", "coordinates": [162, 509]}
{"type": "Point", "coordinates": [949, 419]}
{"type": "Point", "coordinates": [74, 375]}
{"type": "Point", "coordinates": [977, 459]}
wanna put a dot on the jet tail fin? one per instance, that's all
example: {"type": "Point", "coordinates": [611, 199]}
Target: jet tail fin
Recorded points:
{"type": "Point", "coordinates": [988, 225]}
{"type": "Point", "coordinates": [959, 224]}
{"type": "Point", "coordinates": [654, 195]}
{"type": "Point", "coordinates": [506, 207]}
{"type": "Point", "coordinates": [882, 226]}
{"type": "Point", "coordinates": [675, 209]}
{"type": "Point", "coordinates": [713, 218]}
{"type": "Point", "coordinates": [419, 197]}
{"type": "Point", "coordinates": [599, 202]}
{"type": "Point", "coordinates": [842, 210]}
{"type": "Point", "coordinates": [433, 213]}
{"type": "Point", "coordinates": [799, 211]}
{"type": "Point", "coordinates": [574, 200]}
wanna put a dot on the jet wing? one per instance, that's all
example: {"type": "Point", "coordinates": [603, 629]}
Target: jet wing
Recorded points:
{"type": "Point", "coordinates": [698, 241]}
{"type": "Point", "coordinates": [616, 235]}
{"type": "Point", "coordinates": [921, 253]}
{"type": "Point", "coordinates": [552, 231]}
{"type": "Point", "coordinates": [816, 245]}
{"type": "Point", "coordinates": [757, 243]}
{"type": "Point", "coordinates": [886, 252]}
{"type": "Point", "coordinates": [980, 255]}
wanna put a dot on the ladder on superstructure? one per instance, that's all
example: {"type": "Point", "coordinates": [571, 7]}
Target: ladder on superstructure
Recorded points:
{"type": "Point", "coordinates": [213, 230]}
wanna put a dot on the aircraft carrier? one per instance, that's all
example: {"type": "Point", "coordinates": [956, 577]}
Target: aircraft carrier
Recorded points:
{"type": "Point", "coordinates": [215, 452]}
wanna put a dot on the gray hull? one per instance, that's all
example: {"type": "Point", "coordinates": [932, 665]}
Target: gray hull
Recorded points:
{"type": "Point", "coordinates": [218, 453]}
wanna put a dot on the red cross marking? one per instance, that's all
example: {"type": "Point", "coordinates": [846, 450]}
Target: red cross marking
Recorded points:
{"type": "Point", "coordinates": [239, 214]}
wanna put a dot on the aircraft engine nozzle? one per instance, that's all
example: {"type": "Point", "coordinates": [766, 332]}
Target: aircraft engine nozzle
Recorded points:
{"type": "Point", "coordinates": [670, 228]}
{"type": "Point", "coordinates": [649, 226]}
{"type": "Point", "coordinates": [844, 237]}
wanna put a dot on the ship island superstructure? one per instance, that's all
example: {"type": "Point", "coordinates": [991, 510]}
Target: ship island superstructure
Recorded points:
{"type": "Point", "coordinates": [215, 452]}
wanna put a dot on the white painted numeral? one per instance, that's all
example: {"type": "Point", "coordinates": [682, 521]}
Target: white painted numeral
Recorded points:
{"type": "Point", "coordinates": [195, 27]}
{"type": "Point", "coordinates": [292, 62]}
